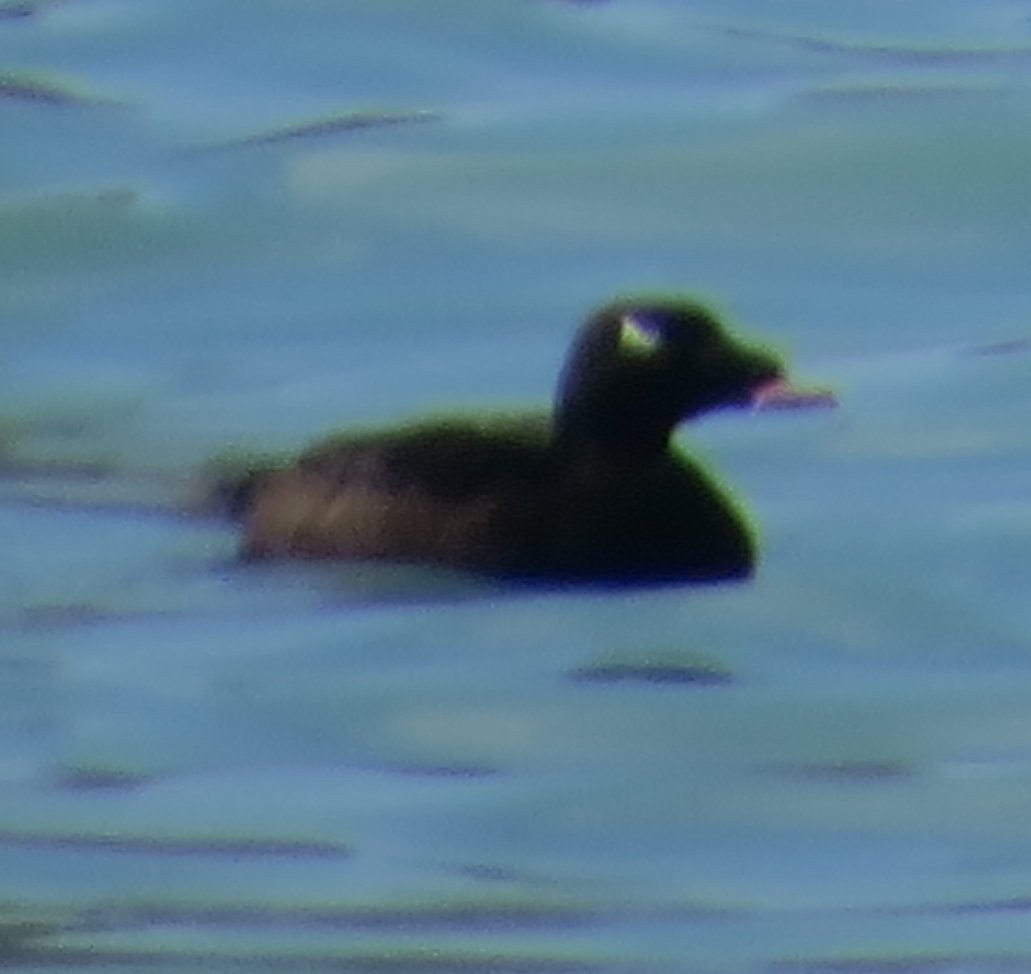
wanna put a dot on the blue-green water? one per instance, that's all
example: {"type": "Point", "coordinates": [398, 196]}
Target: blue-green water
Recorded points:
{"type": "Point", "coordinates": [237, 225]}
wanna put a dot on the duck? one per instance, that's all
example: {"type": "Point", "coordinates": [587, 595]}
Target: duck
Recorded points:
{"type": "Point", "coordinates": [596, 493]}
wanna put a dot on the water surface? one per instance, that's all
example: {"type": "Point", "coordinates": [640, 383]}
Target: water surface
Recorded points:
{"type": "Point", "coordinates": [236, 226]}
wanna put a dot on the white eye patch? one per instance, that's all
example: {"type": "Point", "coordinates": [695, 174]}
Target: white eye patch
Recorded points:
{"type": "Point", "coordinates": [638, 338]}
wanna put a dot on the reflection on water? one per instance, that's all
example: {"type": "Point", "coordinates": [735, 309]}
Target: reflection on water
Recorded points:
{"type": "Point", "coordinates": [221, 233]}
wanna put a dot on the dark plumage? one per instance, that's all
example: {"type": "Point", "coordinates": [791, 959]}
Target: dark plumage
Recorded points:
{"type": "Point", "coordinates": [594, 493]}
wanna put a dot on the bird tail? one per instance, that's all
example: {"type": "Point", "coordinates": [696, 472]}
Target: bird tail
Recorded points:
{"type": "Point", "coordinates": [228, 485]}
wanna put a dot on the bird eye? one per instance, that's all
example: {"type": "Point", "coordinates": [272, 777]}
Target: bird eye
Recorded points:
{"type": "Point", "coordinates": [638, 337]}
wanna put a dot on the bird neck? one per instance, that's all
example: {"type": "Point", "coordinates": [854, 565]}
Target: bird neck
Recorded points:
{"type": "Point", "coordinates": [600, 428]}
